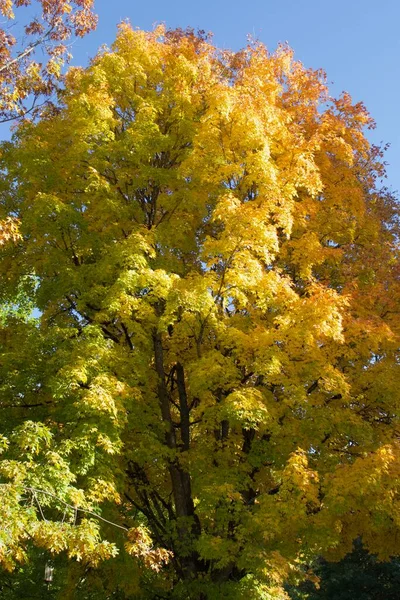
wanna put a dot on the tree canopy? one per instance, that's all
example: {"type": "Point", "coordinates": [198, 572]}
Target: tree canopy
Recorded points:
{"type": "Point", "coordinates": [209, 397]}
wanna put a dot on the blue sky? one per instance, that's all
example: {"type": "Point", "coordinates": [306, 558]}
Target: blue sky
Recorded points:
{"type": "Point", "coordinates": [356, 42]}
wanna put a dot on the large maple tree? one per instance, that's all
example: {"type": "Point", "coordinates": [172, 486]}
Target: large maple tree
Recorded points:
{"type": "Point", "coordinates": [215, 367]}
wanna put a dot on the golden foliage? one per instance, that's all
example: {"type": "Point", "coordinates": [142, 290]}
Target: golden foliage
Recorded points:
{"type": "Point", "coordinates": [216, 266]}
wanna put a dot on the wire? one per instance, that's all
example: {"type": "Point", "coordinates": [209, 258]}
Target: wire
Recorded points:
{"type": "Point", "coordinates": [35, 491]}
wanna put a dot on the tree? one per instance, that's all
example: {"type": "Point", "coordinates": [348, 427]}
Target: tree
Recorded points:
{"type": "Point", "coordinates": [24, 80]}
{"type": "Point", "coordinates": [215, 366]}
{"type": "Point", "coordinates": [359, 575]}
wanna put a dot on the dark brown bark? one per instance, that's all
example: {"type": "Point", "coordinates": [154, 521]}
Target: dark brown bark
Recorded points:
{"type": "Point", "coordinates": [180, 478]}
{"type": "Point", "coordinates": [183, 407]}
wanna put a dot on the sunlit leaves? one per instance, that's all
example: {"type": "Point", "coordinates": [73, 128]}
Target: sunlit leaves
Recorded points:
{"type": "Point", "coordinates": [23, 80]}
{"type": "Point", "coordinates": [215, 366]}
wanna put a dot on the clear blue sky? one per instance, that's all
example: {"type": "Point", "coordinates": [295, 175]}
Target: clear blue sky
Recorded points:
{"type": "Point", "coordinates": [357, 42]}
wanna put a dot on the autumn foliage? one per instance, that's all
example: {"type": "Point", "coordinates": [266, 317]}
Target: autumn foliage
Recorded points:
{"type": "Point", "coordinates": [25, 78]}
{"type": "Point", "coordinates": [215, 367]}
{"type": "Point", "coordinates": [26, 82]}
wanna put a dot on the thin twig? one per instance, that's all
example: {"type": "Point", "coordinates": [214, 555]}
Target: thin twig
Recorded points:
{"type": "Point", "coordinates": [27, 50]}
{"type": "Point", "coordinates": [40, 507]}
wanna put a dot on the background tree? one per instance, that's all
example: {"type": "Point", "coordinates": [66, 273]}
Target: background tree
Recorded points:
{"type": "Point", "coordinates": [215, 367]}
{"type": "Point", "coordinates": [23, 77]}
{"type": "Point", "coordinates": [358, 575]}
